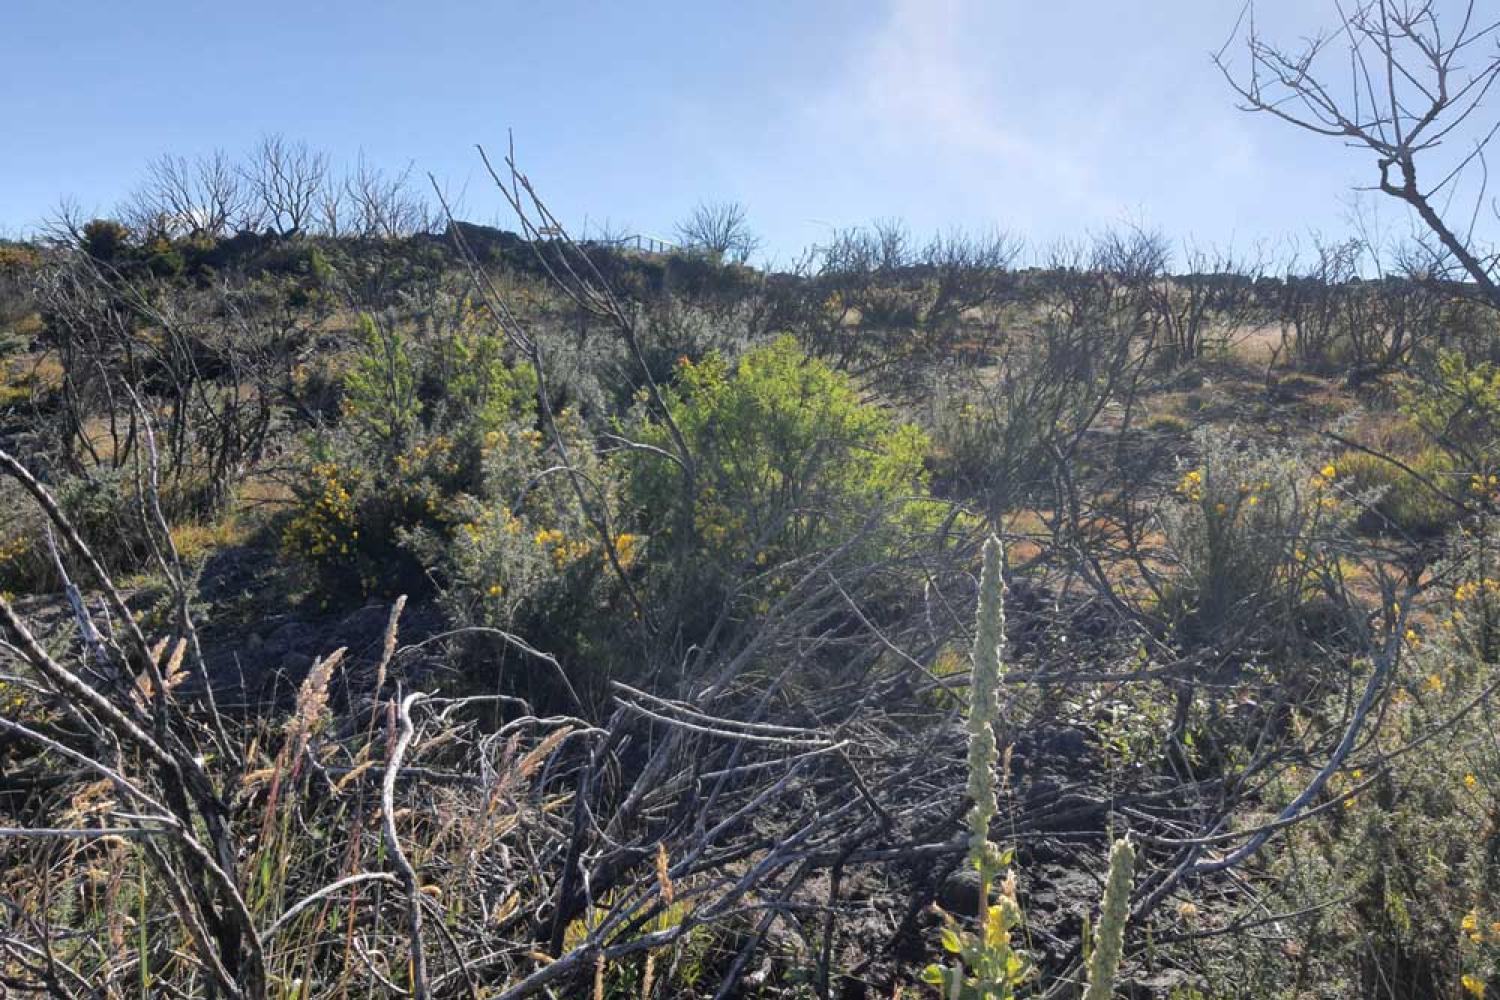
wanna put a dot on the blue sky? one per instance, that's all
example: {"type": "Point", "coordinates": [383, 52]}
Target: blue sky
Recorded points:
{"type": "Point", "coordinates": [1049, 118]}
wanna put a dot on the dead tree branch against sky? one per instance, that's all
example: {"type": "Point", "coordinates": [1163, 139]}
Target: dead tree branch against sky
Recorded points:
{"type": "Point", "coordinates": [1417, 79]}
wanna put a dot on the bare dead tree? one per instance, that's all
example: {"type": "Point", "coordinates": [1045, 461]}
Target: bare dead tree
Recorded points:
{"type": "Point", "coordinates": [877, 303]}
{"type": "Point", "coordinates": [1210, 302]}
{"type": "Point", "coordinates": [1309, 301]}
{"type": "Point", "coordinates": [182, 197]}
{"type": "Point", "coordinates": [286, 179]}
{"type": "Point", "coordinates": [1417, 82]}
{"type": "Point", "coordinates": [383, 205]}
{"type": "Point", "coordinates": [722, 228]}
{"type": "Point", "coordinates": [334, 211]}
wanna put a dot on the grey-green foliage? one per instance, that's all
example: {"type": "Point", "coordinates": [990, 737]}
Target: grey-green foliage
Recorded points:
{"type": "Point", "coordinates": [1104, 963]}
{"type": "Point", "coordinates": [1252, 533]}
{"type": "Point", "coordinates": [984, 706]}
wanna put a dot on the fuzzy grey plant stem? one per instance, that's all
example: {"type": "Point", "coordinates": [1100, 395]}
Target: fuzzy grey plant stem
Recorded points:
{"type": "Point", "coordinates": [984, 707]}
{"type": "Point", "coordinates": [1110, 940]}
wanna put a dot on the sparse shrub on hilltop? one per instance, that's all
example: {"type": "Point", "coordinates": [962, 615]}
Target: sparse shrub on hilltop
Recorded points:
{"type": "Point", "coordinates": [104, 239]}
{"type": "Point", "coordinates": [20, 266]}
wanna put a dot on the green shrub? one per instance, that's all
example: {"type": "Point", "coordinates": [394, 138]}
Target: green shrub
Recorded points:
{"type": "Point", "coordinates": [1395, 501]}
{"type": "Point", "coordinates": [105, 239]}
{"type": "Point", "coordinates": [1471, 622]}
{"type": "Point", "coordinates": [102, 506]}
{"type": "Point", "coordinates": [524, 533]}
{"type": "Point", "coordinates": [380, 394]}
{"type": "Point", "coordinates": [1250, 535]}
{"type": "Point", "coordinates": [17, 259]}
{"type": "Point", "coordinates": [353, 521]}
{"type": "Point", "coordinates": [1458, 405]}
{"type": "Point", "coordinates": [425, 481]}
{"type": "Point", "coordinates": [1166, 423]}
{"type": "Point", "coordinates": [164, 258]}
{"type": "Point", "coordinates": [788, 460]}
{"type": "Point", "coordinates": [1399, 882]}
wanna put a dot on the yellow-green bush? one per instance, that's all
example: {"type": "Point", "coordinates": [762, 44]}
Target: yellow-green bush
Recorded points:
{"type": "Point", "coordinates": [527, 552]}
{"type": "Point", "coordinates": [1458, 405]}
{"type": "Point", "coordinates": [384, 488]}
{"type": "Point", "coordinates": [1166, 423]}
{"type": "Point", "coordinates": [788, 460]}
{"type": "Point", "coordinates": [1397, 502]}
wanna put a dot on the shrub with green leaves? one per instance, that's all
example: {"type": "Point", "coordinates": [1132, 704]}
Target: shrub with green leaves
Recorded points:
{"type": "Point", "coordinates": [380, 403]}
{"type": "Point", "coordinates": [1251, 535]}
{"type": "Point", "coordinates": [1399, 502]}
{"type": "Point", "coordinates": [105, 239]}
{"type": "Point", "coordinates": [522, 550]}
{"type": "Point", "coordinates": [401, 470]}
{"type": "Point", "coordinates": [1471, 610]}
{"type": "Point", "coordinates": [788, 459]}
{"type": "Point", "coordinates": [105, 508]}
{"type": "Point", "coordinates": [1458, 405]}
{"type": "Point", "coordinates": [1397, 880]}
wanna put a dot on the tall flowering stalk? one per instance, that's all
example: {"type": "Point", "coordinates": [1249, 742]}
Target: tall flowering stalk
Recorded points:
{"type": "Point", "coordinates": [985, 965]}
{"type": "Point", "coordinates": [1104, 963]}
{"type": "Point", "coordinates": [984, 709]}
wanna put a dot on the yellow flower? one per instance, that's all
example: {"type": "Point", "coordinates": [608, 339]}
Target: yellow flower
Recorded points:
{"type": "Point", "coordinates": [1470, 922]}
{"type": "Point", "coordinates": [1473, 984]}
{"type": "Point", "coordinates": [495, 590]}
{"type": "Point", "coordinates": [1470, 782]}
{"type": "Point", "coordinates": [1191, 485]}
{"type": "Point", "coordinates": [626, 548]}
{"type": "Point", "coordinates": [1328, 471]}
{"type": "Point", "coordinates": [1434, 682]}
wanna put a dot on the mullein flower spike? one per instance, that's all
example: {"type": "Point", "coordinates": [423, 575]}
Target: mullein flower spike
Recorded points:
{"type": "Point", "coordinates": [1110, 940]}
{"type": "Point", "coordinates": [984, 707]}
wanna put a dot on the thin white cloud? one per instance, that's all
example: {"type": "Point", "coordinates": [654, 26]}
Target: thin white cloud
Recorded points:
{"type": "Point", "coordinates": [922, 83]}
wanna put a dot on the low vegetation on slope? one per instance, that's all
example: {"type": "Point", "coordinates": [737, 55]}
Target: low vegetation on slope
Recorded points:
{"type": "Point", "coordinates": [419, 609]}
